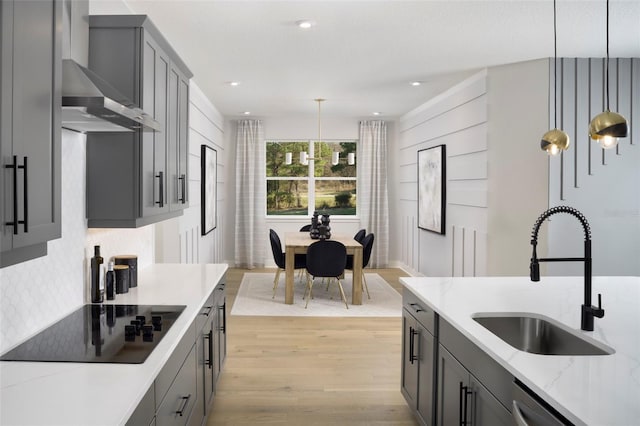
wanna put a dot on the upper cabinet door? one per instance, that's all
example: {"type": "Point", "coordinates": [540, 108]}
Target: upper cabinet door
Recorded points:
{"type": "Point", "coordinates": [178, 144]}
{"type": "Point", "coordinates": [155, 83]}
{"type": "Point", "coordinates": [31, 81]}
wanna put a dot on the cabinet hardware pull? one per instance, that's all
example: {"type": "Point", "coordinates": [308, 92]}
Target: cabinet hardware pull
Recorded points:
{"type": "Point", "coordinates": [464, 392]}
{"type": "Point", "coordinates": [223, 309]}
{"type": "Point", "coordinates": [14, 166]}
{"type": "Point", "coordinates": [25, 200]}
{"type": "Point", "coordinates": [209, 337]}
{"type": "Point", "coordinates": [517, 414]}
{"type": "Point", "coordinates": [208, 308]}
{"type": "Point", "coordinates": [160, 176]}
{"type": "Point", "coordinates": [413, 332]}
{"type": "Point", "coordinates": [183, 187]}
{"type": "Point", "coordinates": [418, 309]}
{"type": "Point", "coordinates": [184, 405]}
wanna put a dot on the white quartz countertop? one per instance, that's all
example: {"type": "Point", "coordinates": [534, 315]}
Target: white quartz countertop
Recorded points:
{"type": "Point", "coordinates": [53, 393]}
{"type": "Point", "coordinates": [589, 390]}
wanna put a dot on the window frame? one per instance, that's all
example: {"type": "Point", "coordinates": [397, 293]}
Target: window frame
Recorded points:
{"type": "Point", "coordinates": [310, 177]}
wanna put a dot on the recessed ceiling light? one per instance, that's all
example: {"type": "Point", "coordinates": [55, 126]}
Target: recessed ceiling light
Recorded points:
{"type": "Point", "coordinates": [416, 83]}
{"type": "Point", "coordinates": [234, 83]}
{"type": "Point", "coordinates": [247, 113]}
{"type": "Point", "coordinates": [377, 113]}
{"type": "Point", "coordinates": [305, 24]}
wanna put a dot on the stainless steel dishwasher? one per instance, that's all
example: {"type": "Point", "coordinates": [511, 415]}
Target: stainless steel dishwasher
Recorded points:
{"type": "Point", "coordinates": [528, 410]}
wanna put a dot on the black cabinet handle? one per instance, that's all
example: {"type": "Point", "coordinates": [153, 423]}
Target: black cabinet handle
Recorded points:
{"type": "Point", "coordinates": [418, 309]}
{"type": "Point", "coordinates": [14, 166]}
{"type": "Point", "coordinates": [25, 203]}
{"type": "Point", "coordinates": [412, 345]}
{"type": "Point", "coordinates": [183, 188]}
{"type": "Point", "coordinates": [223, 310]}
{"type": "Point", "coordinates": [185, 400]}
{"type": "Point", "coordinates": [160, 176]}
{"type": "Point", "coordinates": [208, 308]}
{"type": "Point", "coordinates": [463, 406]}
{"type": "Point", "coordinates": [209, 337]}
{"type": "Point", "coordinates": [25, 200]}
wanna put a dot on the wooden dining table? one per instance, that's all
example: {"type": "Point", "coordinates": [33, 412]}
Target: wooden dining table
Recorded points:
{"type": "Point", "coordinates": [298, 242]}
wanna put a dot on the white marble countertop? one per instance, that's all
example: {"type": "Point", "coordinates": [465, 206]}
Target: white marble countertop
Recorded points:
{"type": "Point", "coordinates": [53, 393]}
{"type": "Point", "coordinates": [589, 390]}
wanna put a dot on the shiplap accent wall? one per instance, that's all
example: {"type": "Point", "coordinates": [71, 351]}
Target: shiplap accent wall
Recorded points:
{"type": "Point", "coordinates": [458, 119]}
{"type": "Point", "coordinates": [497, 179]}
{"type": "Point", "coordinates": [602, 184]}
{"type": "Point", "coordinates": [179, 240]}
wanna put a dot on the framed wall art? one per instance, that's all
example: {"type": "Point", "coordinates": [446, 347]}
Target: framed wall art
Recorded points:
{"type": "Point", "coordinates": [209, 190]}
{"type": "Point", "coordinates": [432, 188]}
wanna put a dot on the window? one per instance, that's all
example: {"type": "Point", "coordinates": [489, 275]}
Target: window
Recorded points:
{"type": "Point", "coordinates": [300, 189]}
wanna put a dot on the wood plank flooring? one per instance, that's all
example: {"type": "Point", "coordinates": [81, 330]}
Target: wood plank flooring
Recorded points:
{"type": "Point", "coordinates": [311, 371]}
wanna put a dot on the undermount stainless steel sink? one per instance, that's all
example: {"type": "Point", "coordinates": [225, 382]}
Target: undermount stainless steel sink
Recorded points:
{"type": "Point", "coordinates": [537, 335]}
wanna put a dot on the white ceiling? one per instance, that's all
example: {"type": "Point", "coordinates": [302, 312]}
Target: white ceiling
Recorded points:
{"type": "Point", "coordinates": [362, 55]}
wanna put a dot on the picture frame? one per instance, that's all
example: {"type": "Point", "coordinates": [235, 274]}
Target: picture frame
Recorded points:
{"type": "Point", "coordinates": [432, 188]}
{"type": "Point", "coordinates": [208, 188]}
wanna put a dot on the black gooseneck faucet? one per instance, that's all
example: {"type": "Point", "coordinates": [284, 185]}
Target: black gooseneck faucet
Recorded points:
{"type": "Point", "coordinates": [588, 311]}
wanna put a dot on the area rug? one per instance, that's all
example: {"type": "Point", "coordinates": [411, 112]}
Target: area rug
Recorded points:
{"type": "Point", "coordinates": [256, 290]}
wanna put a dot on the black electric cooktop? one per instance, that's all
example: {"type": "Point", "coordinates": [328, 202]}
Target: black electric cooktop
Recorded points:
{"type": "Point", "coordinates": [100, 333]}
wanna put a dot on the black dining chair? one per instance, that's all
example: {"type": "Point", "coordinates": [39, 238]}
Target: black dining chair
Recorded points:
{"type": "Point", "coordinates": [306, 228]}
{"type": "Point", "coordinates": [360, 235]}
{"type": "Point", "coordinates": [325, 259]}
{"type": "Point", "coordinates": [279, 258]}
{"type": "Point", "coordinates": [367, 246]}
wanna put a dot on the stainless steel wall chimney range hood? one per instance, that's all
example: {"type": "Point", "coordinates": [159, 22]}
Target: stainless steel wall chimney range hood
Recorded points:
{"type": "Point", "coordinates": [90, 104]}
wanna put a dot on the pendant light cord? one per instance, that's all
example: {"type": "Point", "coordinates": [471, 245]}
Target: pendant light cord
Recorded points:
{"type": "Point", "coordinates": [607, 68]}
{"type": "Point", "coordinates": [555, 69]}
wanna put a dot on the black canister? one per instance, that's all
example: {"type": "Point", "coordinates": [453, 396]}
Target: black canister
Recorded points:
{"type": "Point", "coordinates": [122, 278]}
{"type": "Point", "coordinates": [131, 260]}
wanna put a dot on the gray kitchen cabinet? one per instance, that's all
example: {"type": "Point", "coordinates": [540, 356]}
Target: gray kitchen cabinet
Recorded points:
{"type": "Point", "coordinates": [462, 399]}
{"type": "Point", "coordinates": [452, 390]}
{"type": "Point", "coordinates": [446, 379]}
{"type": "Point", "coordinates": [178, 403]}
{"type": "Point", "coordinates": [30, 127]}
{"type": "Point", "coordinates": [178, 144]}
{"type": "Point", "coordinates": [213, 342]}
{"type": "Point", "coordinates": [145, 412]}
{"type": "Point", "coordinates": [418, 359]}
{"type": "Point", "coordinates": [205, 351]}
{"type": "Point", "coordinates": [183, 391]}
{"type": "Point", "coordinates": [138, 178]}
{"type": "Point", "coordinates": [220, 329]}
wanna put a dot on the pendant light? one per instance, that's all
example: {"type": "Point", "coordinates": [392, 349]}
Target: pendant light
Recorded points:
{"type": "Point", "coordinates": [607, 127]}
{"type": "Point", "coordinates": [335, 156]}
{"type": "Point", "coordinates": [304, 158]}
{"type": "Point", "coordinates": [555, 140]}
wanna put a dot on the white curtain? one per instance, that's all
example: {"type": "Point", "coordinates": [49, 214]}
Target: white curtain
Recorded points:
{"type": "Point", "coordinates": [251, 232]}
{"type": "Point", "coordinates": [372, 188]}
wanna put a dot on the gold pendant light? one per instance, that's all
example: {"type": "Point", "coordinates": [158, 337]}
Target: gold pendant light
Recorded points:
{"type": "Point", "coordinates": [555, 140]}
{"type": "Point", "coordinates": [607, 127]}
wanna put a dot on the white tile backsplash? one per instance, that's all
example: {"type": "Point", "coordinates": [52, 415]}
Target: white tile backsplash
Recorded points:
{"type": "Point", "coordinates": [34, 294]}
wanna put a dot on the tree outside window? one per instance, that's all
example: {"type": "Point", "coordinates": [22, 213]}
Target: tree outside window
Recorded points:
{"type": "Point", "coordinates": [299, 190]}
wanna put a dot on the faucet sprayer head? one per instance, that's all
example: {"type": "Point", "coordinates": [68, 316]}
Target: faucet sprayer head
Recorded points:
{"type": "Point", "coordinates": [534, 266]}
{"type": "Point", "coordinates": [534, 270]}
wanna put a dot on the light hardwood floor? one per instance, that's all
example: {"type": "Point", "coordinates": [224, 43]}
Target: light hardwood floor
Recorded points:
{"type": "Point", "coordinates": [311, 371]}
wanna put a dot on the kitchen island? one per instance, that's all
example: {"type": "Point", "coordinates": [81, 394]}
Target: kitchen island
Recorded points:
{"type": "Point", "coordinates": [68, 393]}
{"type": "Point", "coordinates": [586, 390]}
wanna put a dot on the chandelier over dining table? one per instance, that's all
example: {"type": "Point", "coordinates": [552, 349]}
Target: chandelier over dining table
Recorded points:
{"type": "Point", "coordinates": [335, 155]}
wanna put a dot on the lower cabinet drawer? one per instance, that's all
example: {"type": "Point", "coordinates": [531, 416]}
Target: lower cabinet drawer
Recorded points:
{"type": "Point", "coordinates": [143, 415]}
{"type": "Point", "coordinates": [181, 396]}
